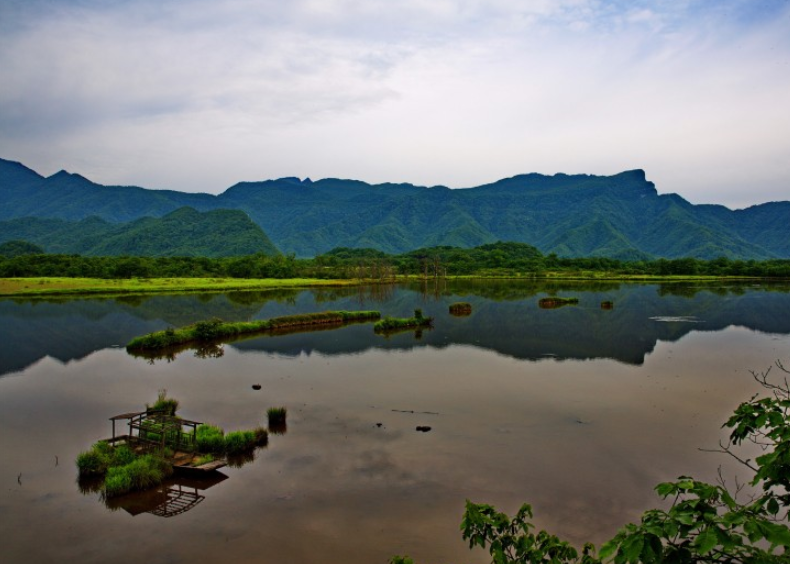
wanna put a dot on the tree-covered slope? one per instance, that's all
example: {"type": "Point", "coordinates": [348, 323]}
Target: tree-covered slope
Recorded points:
{"type": "Point", "coordinates": [184, 232]}
{"type": "Point", "coordinates": [24, 193]}
{"type": "Point", "coordinates": [619, 216]}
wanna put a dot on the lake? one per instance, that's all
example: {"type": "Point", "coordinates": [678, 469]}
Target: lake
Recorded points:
{"type": "Point", "coordinates": [578, 410]}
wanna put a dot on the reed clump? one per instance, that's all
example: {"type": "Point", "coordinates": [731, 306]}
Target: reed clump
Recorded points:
{"type": "Point", "coordinates": [166, 405]}
{"type": "Point", "coordinates": [212, 439]}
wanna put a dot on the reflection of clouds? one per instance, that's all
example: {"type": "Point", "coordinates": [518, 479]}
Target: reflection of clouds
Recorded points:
{"type": "Point", "coordinates": [344, 449]}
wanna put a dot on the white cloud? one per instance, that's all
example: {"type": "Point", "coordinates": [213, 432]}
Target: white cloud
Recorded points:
{"type": "Point", "coordinates": [196, 94]}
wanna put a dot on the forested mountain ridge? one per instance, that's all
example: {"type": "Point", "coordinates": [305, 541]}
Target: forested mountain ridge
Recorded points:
{"type": "Point", "coordinates": [183, 232]}
{"type": "Point", "coordinates": [620, 216]}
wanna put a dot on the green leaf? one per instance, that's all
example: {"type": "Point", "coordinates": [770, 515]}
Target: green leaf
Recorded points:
{"type": "Point", "coordinates": [608, 548]}
{"type": "Point", "coordinates": [665, 489]}
{"type": "Point", "coordinates": [776, 534]}
{"type": "Point", "coordinates": [706, 540]}
{"type": "Point", "coordinates": [632, 547]}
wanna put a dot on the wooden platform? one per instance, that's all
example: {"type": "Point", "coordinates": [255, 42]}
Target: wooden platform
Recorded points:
{"type": "Point", "coordinates": [183, 461]}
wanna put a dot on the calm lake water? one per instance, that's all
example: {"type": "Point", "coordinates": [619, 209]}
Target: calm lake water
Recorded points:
{"type": "Point", "coordinates": [579, 411]}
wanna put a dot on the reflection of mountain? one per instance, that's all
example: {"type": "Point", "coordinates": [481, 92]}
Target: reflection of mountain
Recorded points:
{"type": "Point", "coordinates": [72, 329]}
{"type": "Point", "coordinates": [519, 328]}
{"type": "Point", "coordinates": [506, 318]}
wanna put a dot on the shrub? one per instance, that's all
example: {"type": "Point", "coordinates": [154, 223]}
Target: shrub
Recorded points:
{"type": "Point", "coordinates": [163, 403]}
{"type": "Point", "coordinates": [239, 441]}
{"type": "Point", "coordinates": [122, 455]}
{"type": "Point", "coordinates": [207, 330]}
{"type": "Point", "coordinates": [142, 473]}
{"type": "Point", "coordinates": [95, 461]}
{"type": "Point", "coordinates": [91, 463]}
{"type": "Point", "coordinates": [118, 482]}
{"type": "Point", "coordinates": [210, 438]}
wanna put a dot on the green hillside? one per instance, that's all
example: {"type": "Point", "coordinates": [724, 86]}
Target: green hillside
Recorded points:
{"type": "Point", "coordinates": [620, 216]}
{"type": "Point", "coordinates": [184, 232]}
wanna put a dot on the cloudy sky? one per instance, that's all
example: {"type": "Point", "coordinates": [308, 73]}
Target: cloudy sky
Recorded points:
{"type": "Point", "coordinates": [196, 95]}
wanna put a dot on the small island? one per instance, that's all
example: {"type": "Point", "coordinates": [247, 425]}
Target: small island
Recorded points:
{"type": "Point", "coordinates": [157, 442]}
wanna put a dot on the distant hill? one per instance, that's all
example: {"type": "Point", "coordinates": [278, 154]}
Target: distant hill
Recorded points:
{"type": "Point", "coordinates": [184, 232]}
{"type": "Point", "coordinates": [620, 216]}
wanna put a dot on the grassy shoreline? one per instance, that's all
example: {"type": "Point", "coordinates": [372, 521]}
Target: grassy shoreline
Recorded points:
{"type": "Point", "coordinates": [65, 286]}
{"type": "Point", "coordinates": [59, 286]}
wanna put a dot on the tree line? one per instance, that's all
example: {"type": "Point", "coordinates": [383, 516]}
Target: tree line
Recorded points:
{"type": "Point", "coordinates": [496, 259]}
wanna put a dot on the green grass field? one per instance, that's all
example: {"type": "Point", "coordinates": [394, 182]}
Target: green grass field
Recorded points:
{"type": "Point", "coordinates": [53, 286]}
{"type": "Point", "coordinates": [100, 286]}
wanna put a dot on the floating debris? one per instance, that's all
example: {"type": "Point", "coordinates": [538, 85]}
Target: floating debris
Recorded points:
{"type": "Point", "coordinates": [460, 309]}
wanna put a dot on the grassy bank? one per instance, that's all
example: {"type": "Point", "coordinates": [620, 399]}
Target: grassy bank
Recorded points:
{"type": "Point", "coordinates": [54, 286]}
{"type": "Point", "coordinates": [214, 330]}
{"type": "Point", "coordinates": [101, 286]}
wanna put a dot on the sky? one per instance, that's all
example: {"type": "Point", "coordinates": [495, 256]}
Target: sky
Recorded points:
{"type": "Point", "coordinates": [196, 95]}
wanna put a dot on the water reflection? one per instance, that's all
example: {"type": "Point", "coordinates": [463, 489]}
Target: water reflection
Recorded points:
{"type": "Point", "coordinates": [353, 480]}
{"type": "Point", "coordinates": [175, 496]}
{"type": "Point", "coordinates": [507, 318]}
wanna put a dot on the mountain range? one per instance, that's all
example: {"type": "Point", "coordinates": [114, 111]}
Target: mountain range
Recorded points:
{"type": "Point", "coordinates": [619, 216]}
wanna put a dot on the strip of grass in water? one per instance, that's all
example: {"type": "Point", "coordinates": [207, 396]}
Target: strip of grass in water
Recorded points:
{"type": "Point", "coordinates": [390, 324]}
{"type": "Point", "coordinates": [102, 286]}
{"type": "Point", "coordinates": [213, 330]}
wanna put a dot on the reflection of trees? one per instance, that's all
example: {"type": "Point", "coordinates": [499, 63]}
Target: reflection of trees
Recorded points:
{"type": "Point", "coordinates": [433, 290]}
{"type": "Point", "coordinates": [416, 330]}
{"type": "Point", "coordinates": [375, 293]}
{"type": "Point", "coordinates": [691, 289]}
{"type": "Point", "coordinates": [504, 290]}
{"type": "Point", "coordinates": [209, 350]}
{"type": "Point", "coordinates": [261, 297]}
